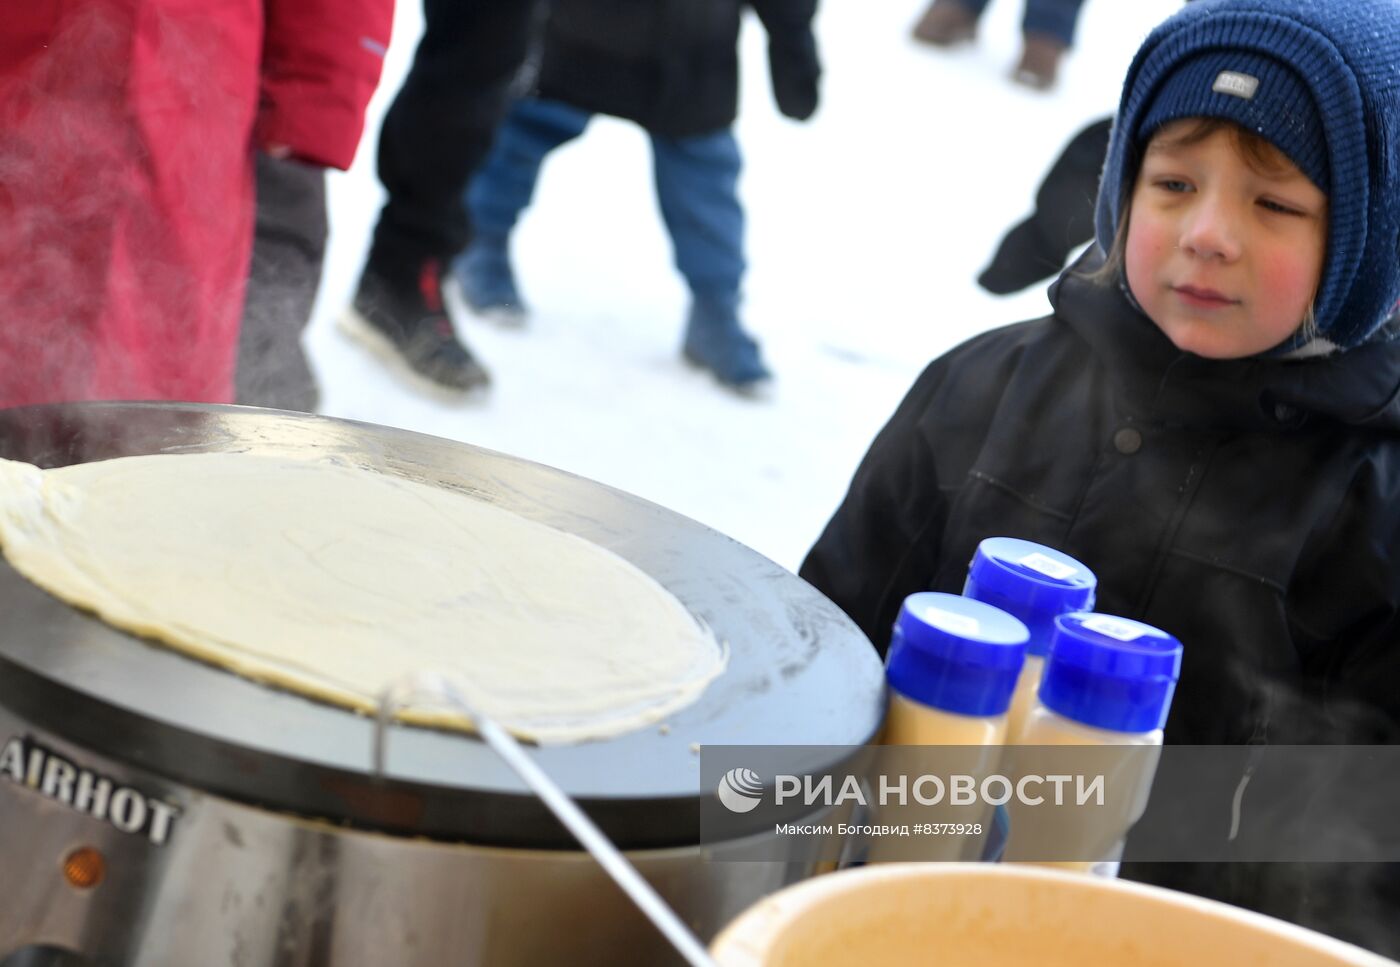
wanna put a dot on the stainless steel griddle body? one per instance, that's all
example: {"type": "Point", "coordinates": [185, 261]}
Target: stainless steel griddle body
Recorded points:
{"type": "Point", "coordinates": [242, 825]}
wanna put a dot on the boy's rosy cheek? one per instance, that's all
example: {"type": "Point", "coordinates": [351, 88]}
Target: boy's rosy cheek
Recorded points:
{"type": "Point", "coordinates": [1147, 241]}
{"type": "Point", "coordinates": [1287, 281]}
{"type": "Point", "coordinates": [1146, 249]}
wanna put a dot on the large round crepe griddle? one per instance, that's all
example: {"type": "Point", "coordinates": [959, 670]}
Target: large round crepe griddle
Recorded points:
{"type": "Point", "coordinates": [799, 673]}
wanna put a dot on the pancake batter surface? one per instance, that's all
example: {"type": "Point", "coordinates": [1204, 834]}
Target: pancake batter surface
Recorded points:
{"type": "Point", "coordinates": [335, 581]}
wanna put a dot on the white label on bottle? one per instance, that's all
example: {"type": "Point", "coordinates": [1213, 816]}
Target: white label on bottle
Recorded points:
{"type": "Point", "coordinates": [1112, 627]}
{"type": "Point", "coordinates": [958, 624]}
{"type": "Point", "coordinates": [1048, 566]}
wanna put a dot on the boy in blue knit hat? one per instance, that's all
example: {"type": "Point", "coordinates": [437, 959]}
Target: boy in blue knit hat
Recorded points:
{"type": "Point", "coordinates": [1210, 418]}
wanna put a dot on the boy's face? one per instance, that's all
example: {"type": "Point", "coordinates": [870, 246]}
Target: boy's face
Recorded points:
{"type": "Point", "coordinates": [1224, 258]}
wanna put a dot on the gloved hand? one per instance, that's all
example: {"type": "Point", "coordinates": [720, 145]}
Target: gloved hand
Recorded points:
{"type": "Point", "coordinates": [795, 69]}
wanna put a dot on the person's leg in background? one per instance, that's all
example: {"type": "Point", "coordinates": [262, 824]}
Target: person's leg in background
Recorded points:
{"type": "Point", "coordinates": [1048, 28]}
{"type": "Point", "coordinates": [441, 124]}
{"type": "Point", "coordinates": [947, 23]}
{"type": "Point", "coordinates": [435, 135]}
{"type": "Point", "coordinates": [499, 192]}
{"type": "Point", "coordinates": [289, 246]}
{"type": "Point", "coordinates": [697, 182]}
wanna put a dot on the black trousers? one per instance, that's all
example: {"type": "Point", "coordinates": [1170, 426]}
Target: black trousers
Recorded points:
{"type": "Point", "coordinates": [440, 127]}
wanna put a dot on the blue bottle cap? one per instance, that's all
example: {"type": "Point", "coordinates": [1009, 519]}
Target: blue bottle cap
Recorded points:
{"type": "Point", "coordinates": [1110, 672]}
{"type": "Point", "coordinates": [956, 654]}
{"type": "Point", "coordinates": [1032, 582]}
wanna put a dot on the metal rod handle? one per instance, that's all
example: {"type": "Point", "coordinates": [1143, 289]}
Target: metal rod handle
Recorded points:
{"type": "Point", "coordinates": [436, 687]}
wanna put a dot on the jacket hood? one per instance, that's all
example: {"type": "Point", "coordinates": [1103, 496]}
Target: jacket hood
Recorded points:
{"type": "Point", "coordinates": [1359, 387]}
{"type": "Point", "coordinates": [1321, 83]}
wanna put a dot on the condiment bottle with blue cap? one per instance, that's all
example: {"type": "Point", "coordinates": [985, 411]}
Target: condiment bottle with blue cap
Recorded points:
{"type": "Point", "coordinates": [951, 667]}
{"type": "Point", "coordinates": [1108, 681]}
{"type": "Point", "coordinates": [1036, 584]}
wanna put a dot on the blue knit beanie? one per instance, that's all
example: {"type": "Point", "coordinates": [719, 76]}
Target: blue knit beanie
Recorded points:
{"type": "Point", "coordinates": [1320, 80]}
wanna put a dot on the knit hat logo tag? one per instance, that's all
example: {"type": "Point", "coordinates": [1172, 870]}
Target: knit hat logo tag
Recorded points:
{"type": "Point", "coordinates": [1236, 84]}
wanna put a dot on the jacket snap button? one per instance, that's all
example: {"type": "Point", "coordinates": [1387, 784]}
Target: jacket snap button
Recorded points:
{"type": "Point", "coordinates": [1127, 441]}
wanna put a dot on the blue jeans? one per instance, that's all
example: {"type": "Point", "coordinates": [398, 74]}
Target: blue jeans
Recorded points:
{"type": "Point", "coordinates": [696, 186]}
{"type": "Point", "coordinates": [1054, 17]}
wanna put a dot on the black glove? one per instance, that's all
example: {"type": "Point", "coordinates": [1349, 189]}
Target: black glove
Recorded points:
{"type": "Point", "coordinates": [795, 69]}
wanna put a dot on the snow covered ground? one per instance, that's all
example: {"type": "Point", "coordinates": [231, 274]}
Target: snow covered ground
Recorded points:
{"type": "Point", "coordinates": [867, 227]}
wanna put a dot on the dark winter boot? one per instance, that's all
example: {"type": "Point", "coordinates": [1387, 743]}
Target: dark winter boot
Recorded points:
{"type": "Point", "coordinates": [946, 23]}
{"type": "Point", "coordinates": [1040, 61]}
{"type": "Point", "coordinates": [488, 282]}
{"type": "Point", "coordinates": [406, 325]}
{"type": "Point", "coordinates": [714, 340]}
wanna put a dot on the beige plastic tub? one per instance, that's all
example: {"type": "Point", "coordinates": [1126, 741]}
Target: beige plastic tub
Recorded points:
{"type": "Point", "coordinates": [980, 915]}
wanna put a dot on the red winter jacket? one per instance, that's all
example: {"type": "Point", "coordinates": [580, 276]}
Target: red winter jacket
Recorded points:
{"type": "Point", "coordinates": [127, 130]}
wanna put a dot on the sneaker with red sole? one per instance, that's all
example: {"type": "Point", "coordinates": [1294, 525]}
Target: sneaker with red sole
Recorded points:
{"type": "Point", "coordinates": [408, 327]}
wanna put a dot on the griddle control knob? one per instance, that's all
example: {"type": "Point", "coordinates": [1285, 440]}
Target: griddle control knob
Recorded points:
{"type": "Point", "coordinates": [84, 868]}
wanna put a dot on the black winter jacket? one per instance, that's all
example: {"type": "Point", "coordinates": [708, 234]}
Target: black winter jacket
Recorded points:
{"type": "Point", "coordinates": [1249, 507]}
{"type": "Point", "coordinates": [672, 66]}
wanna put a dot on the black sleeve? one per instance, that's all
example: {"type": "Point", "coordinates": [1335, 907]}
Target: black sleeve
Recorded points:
{"type": "Point", "coordinates": [1064, 203]}
{"type": "Point", "coordinates": [793, 62]}
{"type": "Point", "coordinates": [1344, 612]}
{"type": "Point", "coordinates": [1354, 700]}
{"type": "Point", "coordinates": [883, 542]}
